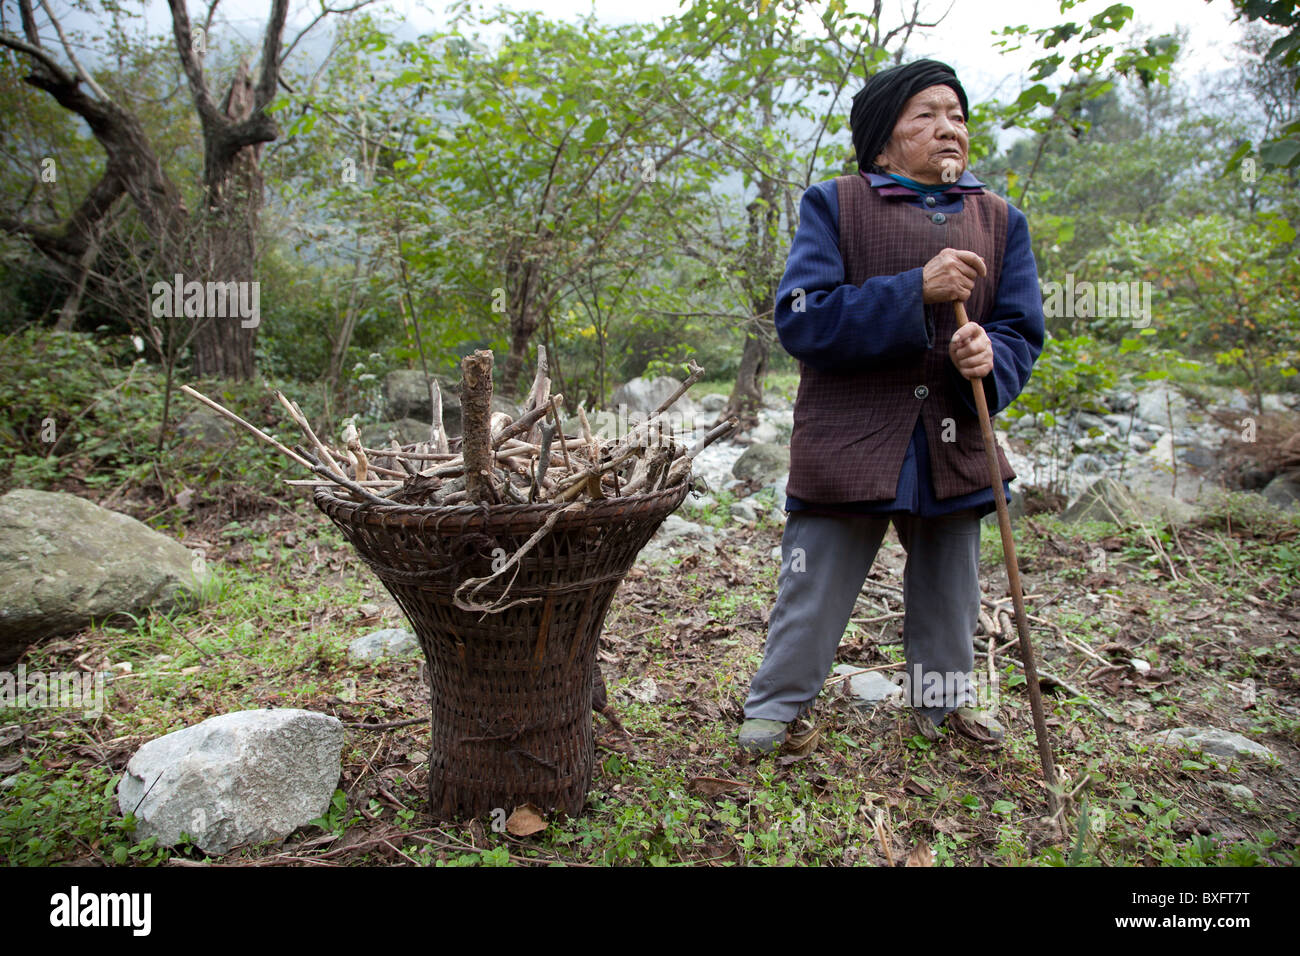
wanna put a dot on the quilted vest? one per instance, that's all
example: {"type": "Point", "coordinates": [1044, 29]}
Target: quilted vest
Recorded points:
{"type": "Point", "coordinates": [852, 429]}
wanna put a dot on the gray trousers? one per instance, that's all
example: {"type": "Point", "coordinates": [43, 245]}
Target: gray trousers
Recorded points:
{"type": "Point", "coordinates": [824, 563]}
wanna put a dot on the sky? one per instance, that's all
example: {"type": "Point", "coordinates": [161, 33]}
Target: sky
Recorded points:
{"type": "Point", "coordinates": [963, 38]}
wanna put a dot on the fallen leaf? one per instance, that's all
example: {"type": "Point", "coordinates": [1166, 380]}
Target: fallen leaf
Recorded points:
{"type": "Point", "coordinates": [525, 821]}
{"type": "Point", "coordinates": [713, 786]}
{"type": "Point", "coordinates": [952, 828]}
{"type": "Point", "coordinates": [920, 855]}
{"type": "Point", "coordinates": [915, 787]}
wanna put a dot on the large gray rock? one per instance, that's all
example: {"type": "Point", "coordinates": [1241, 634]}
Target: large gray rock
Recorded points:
{"type": "Point", "coordinates": [1015, 508]}
{"type": "Point", "coordinates": [406, 396]}
{"type": "Point", "coordinates": [407, 431]}
{"type": "Point", "coordinates": [203, 426]}
{"type": "Point", "coordinates": [762, 462]}
{"type": "Point", "coordinates": [713, 403]}
{"type": "Point", "coordinates": [1151, 405]}
{"type": "Point", "coordinates": [644, 395]}
{"type": "Point", "coordinates": [1215, 742]}
{"type": "Point", "coordinates": [1107, 499]}
{"type": "Point", "coordinates": [389, 642]}
{"type": "Point", "coordinates": [1284, 490]}
{"type": "Point", "coordinates": [246, 777]}
{"type": "Point", "coordinates": [65, 561]}
{"type": "Point", "coordinates": [744, 512]}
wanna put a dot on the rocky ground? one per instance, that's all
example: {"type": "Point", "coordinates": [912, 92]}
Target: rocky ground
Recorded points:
{"type": "Point", "coordinates": [1167, 638]}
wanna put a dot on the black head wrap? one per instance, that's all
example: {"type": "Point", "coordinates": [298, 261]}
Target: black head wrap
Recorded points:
{"type": "Point", "coordinates": [877, 106]}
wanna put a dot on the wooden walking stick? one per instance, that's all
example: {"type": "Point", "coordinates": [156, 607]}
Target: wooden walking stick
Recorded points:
{"type": "Point", "coordinates": [1013, 578]}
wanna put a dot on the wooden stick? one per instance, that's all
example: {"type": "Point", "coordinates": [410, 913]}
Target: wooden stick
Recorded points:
{"type": "Point", "coordinates": [593, 449]}
{"type": "Point", "coordinates": [696, 374]}
{"type": "Point", "coordinates": [559, 431]}
{"type": "Point", "coordinates": [476, 412]}
{"type": "Point", "coordinates": [1045, 756]}
{"type": "Point", "coordinates": [525, 421]}
{"type": "Point", "coordinates": [541, 390]}
{"type": "Point", "coordinates": [318, 482]}
{"type": "Point", "coordinates": [437, 430]}
{"type": "Point", "coordinates": [288, 453]}
{"type": "Point", "coordinates": [296, 414]}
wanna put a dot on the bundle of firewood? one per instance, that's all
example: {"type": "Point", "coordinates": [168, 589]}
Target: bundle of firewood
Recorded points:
{"type": "Point", "coordinates": [499, 460]}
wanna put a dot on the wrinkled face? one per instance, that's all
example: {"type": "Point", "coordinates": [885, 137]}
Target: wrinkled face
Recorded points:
{"type": "Point", "coordinates": [929, 143]}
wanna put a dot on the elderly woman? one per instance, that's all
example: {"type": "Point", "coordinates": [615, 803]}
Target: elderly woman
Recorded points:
{"type": "Point", "coordinates": [885, 426]}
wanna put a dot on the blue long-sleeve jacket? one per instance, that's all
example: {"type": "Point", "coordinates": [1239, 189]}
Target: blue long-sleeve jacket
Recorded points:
{"type": "Point", "coordinates": [845, 326]}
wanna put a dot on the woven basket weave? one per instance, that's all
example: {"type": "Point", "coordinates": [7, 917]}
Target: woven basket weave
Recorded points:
{"type": "Point", "coordinates": [511, 690]}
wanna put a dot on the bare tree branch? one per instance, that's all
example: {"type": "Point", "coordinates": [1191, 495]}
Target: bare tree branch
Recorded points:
{"type": "Point", "coordinates": [265, 90]}
{"type": "Point", "coordinates": [184, 34]}
{"type": "Point", "coordinates": [325, 10]}
{"type": "Point", "coordinates": [29, 22]}
{"type": "Point", "coordinates": [72, 57]}
{"type": "Point", "coordinates": [37, 53]}
{"type": "Point", "coordinates": [72, 239]}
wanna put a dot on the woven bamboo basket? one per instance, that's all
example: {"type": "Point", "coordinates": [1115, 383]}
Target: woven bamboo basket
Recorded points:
{"type": "Point", "coordinates": [511, 690]}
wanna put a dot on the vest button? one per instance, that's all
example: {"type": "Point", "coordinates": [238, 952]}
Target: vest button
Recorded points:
{"type": "Point", "coordinates": [939, 218]}
{"type": "Point", "coordinates": [921, 391]}
{"type": "Point", "coordinates": [930, 200]}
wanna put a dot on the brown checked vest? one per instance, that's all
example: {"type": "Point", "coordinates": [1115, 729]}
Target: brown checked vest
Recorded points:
{"type": "Point", "coordinates": [851, 430]}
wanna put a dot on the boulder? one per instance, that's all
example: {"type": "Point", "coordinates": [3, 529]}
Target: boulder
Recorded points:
{"type": "Point", "coordinates": [389, 642]}
{"type": "Point", "coordinates": [1015, 508]}
{"type": "Point", "coordinates": [1108, 500]}
{"type": "Point", "coordinates": [203, 426]}
{"type": "Point", "coordinates": [744, 512]}
{"type": "Point", "coordinates": [65, 561]}
{"type": "Point", "coordinates": [763, 463]}
{"type": "Point", "coordinates": [246, 777]}
{"type": "Point", "coordinates": [407, 431]}
{"type": "Point", "coordinates": [712, 404]}
{"type": "Point", "coordinates": [1198, 456]}
{"type": "Point", "coordinates": [643, 395]}
{"type": "Point", "coordinates": [406, 396]}
{"type": "Point", "coordinates": [1284, 490]}
{"type": "Point", "coordinates": [1151, 405]}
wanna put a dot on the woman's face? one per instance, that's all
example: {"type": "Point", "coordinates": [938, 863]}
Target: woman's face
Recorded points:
{"type": "Point", "coordinates": [929, 143]}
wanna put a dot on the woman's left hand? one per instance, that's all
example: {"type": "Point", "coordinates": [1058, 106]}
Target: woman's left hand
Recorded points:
{"type": "Point", "coordinates": [971, 351]}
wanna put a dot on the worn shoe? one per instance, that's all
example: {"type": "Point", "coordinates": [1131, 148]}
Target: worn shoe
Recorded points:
{"type": "Point", "coordinates": [762, 736]}
{"type": "Point", "coordinates": [977, 725]}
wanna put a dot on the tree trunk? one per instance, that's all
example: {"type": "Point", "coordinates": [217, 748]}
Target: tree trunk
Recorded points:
{"type": "Point", "coordinates": [223, 346]}
{"type": "Point", "coordinates": [524, 305]}
{"type": "Point", "coordinates": [747, 394]}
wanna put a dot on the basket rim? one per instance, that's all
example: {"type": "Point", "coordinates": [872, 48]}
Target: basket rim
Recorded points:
{"type": "Point", "coordinates": [327, 501]}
